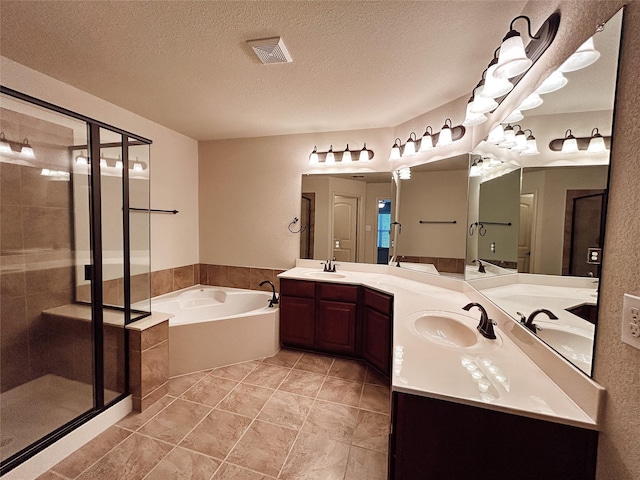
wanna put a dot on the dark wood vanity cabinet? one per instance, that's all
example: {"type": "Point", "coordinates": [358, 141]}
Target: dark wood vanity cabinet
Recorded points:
{"type": "Point", "coordinates": [336, 315]}
{"type": "Point", "coordinates": [297, 313]}
{"type": "Point", "coordinates": [377, 314]}
{"type": "Point", "coordinates": [335, 318]}
{"type": "Point", "coordinates": [433, 439]}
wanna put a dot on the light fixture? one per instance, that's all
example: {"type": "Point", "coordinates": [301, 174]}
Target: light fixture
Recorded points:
{"type": "Point", "coordinates": [364, 154]}
{"type": "Point", "coordinates": [380, 204]}
{"type": "Point", "coordinates": [532, 146]}
{"type": "Point", "coordinates": [496, 136]}
{"type": "Point", "coordinates": [331, 158]}
{"type": "Point", "coordinates": [513, 60]}
{"type": "Point", "coordinates": [119, 163]}
{"type": "Point", "coordinates": [509, 137]}
{"type": "Point", "coordinates": [103, 162]}
{"type": "Point", "coordinates": [520, 141]}
{"type": "Point", "coordinates": [426, 143]}
{"type": "Point", "coordinates": [26, 150]}
{"type": "Point", "coordinates": [313, 156]}
{"type": "Point", "coordinates": [445, 136]}
{"type": "Point", "coordinates": [138, 167]}
{"type": "Point", "coordinates": [471, 118]}
{"type": "Point", "coordinates": [482, 103]}
{"type": "Point", "coordinates": [570, 144]}
{"type": "Point", "coordinates": [532, 101]}
{"type": "Point", "coordinates": [476, 168]}
{"type": "Point", "coordinates": [404, 173]}
{"type": "Point", "coordinates": [584, 56]}
{"type": "Point", "coordinates": [4, 145]}
{"type": "Point", "coordinates": [395, 150]}
{"type": "Point", "coordinates": [552, 83]}
{"type": "Point", "coordinates": [495, 87]}
{"type": "Point", "coordinates": [346, 155]}
{"type": "Point", "coordinates": [410, 146]}
{"type": "Point", "coordinates": [514, 116]}
{"type": "Point", "coordinates": [81, 160]}
{"type": "Point", "coordinates": [596, 143]}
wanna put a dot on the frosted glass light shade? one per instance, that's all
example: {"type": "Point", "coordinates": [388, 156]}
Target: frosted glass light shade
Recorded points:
{"type": "Point", "coordinates": [570, 145]}
{"type": "Point", "coordinates": [426, 143]}
{"type": "Point", "coordinates": [481, 103]}
{"type": "Point", "coordinates": [512, 60]}
{"type": "Point", "coordinates": [346, 155]}
{"type": "Point", "coordinates": [405, 173]}
{"type": "Point", "coordinates": [26, 151]}
{"type": "Point", "coordinates": [313, 158]}
{"type": "Point", "coordinates": [596, 144]}
{"type": "Point", "coordinates": [4, 145]}
{"type": "Point", "coordinates": [581, 58]}
{"type": "Point", "coordinates": [495, 87]}
{"type": "Point", "coordinates": [395, 152]}
{"type": "Point", "coordinates": [532, 147]}
{"type": "Point", "coordinates": [514, 117]}
{"type": "Point", "coordinates": [103, 163]}
{"type": "Point", "coordinates": [137, 167]}
{"type": "Point", "coordinates": [331, 158]}
{"type": "Point", "coordinates": [364, 154]}
{"type": "Point", "coordinates": [82, 160]}
{"type": "Point", "coordinates": [445, 137]}
{"type": "Point", "coordinates": [496, 136]}
{"type": "Point", "coordinates": [119, 164]}
{"type": "Point", "coordinates": [409, 148]}
{"type": "Point", "coordinates": [532, 101]}
{"type": "Point", "coordinates": [521, 142]}
{"type": "Point", "coordinates": [552, 83]}
{"type": "Point", "coordinates": [471, 118]}
{"type": "Point", "coordinates": [509, 138]}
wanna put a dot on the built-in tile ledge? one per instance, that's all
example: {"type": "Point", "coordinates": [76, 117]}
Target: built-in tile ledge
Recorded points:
{"type": "Point", "coordinates": [80, 311]}
{"type": "Point", "coordinates": [156, 318]}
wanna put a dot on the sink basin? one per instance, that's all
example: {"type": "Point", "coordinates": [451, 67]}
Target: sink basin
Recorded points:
{"type": "Point", "coordinates": [327, 275]}
{"type": "Point", "coordinates": [446, 330]}
{"type": "Point", "coordinates": [571, 343]}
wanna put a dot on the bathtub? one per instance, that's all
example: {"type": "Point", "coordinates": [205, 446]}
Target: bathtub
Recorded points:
{"type": "Point", "coordinates": [216, 326]}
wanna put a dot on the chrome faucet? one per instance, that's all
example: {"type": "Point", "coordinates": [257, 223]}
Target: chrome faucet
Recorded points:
{"type": "Point", "coordinates": [528, 322]}
{"type": "Point", "coordinates": [274, 299]}
{"type": "Point", "coordinates": [485, 327]}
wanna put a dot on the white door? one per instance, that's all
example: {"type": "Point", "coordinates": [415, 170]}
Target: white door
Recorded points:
{"type": "Point", "coordinates": [527, 216]}
{"type": "Point", "coordinates": [345, 228]}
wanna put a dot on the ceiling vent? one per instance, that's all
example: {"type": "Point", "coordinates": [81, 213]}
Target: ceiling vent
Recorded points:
{"type": "Point", "coordinates": [271, 50]}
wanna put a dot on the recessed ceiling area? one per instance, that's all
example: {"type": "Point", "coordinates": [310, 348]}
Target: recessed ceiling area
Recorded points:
{"type": "Point", "coordinates": [187, 65]}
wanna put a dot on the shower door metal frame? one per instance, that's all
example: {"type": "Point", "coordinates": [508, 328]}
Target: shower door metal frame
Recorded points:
{"type": "Point", "coordinates": [96, 276]}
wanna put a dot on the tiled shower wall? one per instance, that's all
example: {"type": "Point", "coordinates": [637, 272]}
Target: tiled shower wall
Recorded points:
{"type": "Point", "coordinates": [35, 250]}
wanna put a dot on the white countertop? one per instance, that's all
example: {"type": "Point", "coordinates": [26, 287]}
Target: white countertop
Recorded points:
{"type": "Point", "coordinates": [507, 380]}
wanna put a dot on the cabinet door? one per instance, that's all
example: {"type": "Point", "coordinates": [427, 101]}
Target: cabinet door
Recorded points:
{"type": "Point", "coordinates": [336, 327]}
{"type": "Point", "coordinates": [376, 339]}
{"type": "Point", "coordinates": [297, 320]}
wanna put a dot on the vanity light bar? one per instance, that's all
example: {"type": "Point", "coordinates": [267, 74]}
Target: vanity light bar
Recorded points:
{"type": "Point", "coordinates": [428, 141]}
{"type": "Point", "coordinates": [346, 156]}
{"type": "Point", "coordinates": [596, 143]}
{"type": "Point", "coordinates": [22, 149]}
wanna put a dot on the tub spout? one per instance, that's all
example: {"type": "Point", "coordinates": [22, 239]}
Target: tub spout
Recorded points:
{"type": "Point", "coordinates": [274, 299]}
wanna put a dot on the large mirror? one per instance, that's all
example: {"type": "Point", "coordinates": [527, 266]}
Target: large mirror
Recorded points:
{"type": "Point", "coordinates": [536, 222]}
{"type": "Point", "coordinates": [381, 218]}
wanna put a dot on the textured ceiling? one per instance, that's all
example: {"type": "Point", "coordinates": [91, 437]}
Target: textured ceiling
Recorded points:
{"type": "Point", "coordinates": [186, 65]}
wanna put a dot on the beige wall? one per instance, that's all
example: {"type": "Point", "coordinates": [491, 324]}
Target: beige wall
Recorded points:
{"type": "Point", "coordinates": [174, 162]}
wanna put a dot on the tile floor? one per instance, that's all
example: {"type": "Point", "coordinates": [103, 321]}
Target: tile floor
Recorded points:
{"type": "Point", "coordinates": [292, 416]}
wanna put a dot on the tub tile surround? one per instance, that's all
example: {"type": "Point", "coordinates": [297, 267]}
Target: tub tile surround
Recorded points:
{"type": "Point", "coordinates": [564, 393]}
{"type": "Point", "coordinates": [273, 434]}
{"type": "Point", "coordinates": [149, 364]}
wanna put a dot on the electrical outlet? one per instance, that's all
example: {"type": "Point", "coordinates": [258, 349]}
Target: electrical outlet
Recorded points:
{"type": "Point", "coordinates": [631, 320]}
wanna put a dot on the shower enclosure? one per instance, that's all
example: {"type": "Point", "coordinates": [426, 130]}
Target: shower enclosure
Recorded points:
{"type": "Point", "coordinates": [73, 260]}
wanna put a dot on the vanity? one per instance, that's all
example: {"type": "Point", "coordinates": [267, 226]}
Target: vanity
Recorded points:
{"type": "Point", "coordinates": [463, 406]}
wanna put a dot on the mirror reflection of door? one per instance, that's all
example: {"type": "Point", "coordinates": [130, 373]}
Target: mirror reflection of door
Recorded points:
{"type": "Point", "coordinates": [585, 234]}
{"type": "Point", "coordinates": [525, 236]}
{"type": "Point", "coordinates": [345, 228]}
{"type": "Point", "coordinates": [307, 224]}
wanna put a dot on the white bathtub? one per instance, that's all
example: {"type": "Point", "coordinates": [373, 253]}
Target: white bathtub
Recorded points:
{"type": "Point", "coordinates": [215, 326]}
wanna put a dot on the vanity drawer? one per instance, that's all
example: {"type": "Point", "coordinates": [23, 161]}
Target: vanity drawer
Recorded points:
{"type": "Point", "coordinates": [378, 301]}
{"type": "Point", "coordinates": [297, 288]}
{"type": "Point", "coordinates": [340, 293]}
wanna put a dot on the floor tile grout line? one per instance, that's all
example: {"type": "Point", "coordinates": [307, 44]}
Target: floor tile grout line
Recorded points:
{"type": "Point", "coordinates": [315, 399]}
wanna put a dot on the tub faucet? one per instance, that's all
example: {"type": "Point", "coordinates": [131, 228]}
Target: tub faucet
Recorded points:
{"type": "Point", "coordinates": [274, 299]}
{"type": "Point", "coordinates": [485, 327]}
{"type": "Point", "coordinates": [528, 322]}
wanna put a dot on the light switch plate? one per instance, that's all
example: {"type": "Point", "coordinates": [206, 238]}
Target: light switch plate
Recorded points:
{"type": "Point", "coordinates": [631, 320]}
